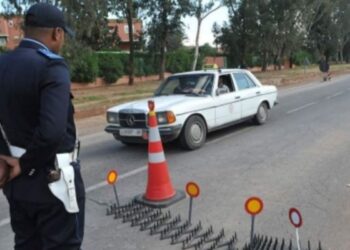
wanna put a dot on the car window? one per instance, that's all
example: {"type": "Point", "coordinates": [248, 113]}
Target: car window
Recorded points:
{"type": "Point", "coordinates": [225, 84]}
{"type": "Point", "coordinates": [196, 84]}
{"type": "Point", "coordinates": [251, 82]}
{"type": "Point", "coordinates": [243, 82]}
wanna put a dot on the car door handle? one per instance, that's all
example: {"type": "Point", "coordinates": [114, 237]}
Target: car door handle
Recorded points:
{"type": "Point", "coordinates": [237, 97]}
{"type": "Point", "coordinates": [258, 92]}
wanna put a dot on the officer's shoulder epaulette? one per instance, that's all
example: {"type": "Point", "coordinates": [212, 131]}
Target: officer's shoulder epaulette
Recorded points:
{"type": "Point", "coordinates": [49, 54]}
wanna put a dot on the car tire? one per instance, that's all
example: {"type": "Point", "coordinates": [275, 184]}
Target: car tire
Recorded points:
{"type": "Point", "coordinates": [194, 133]}
{"type": "Point", "coordinates": [262, 114]}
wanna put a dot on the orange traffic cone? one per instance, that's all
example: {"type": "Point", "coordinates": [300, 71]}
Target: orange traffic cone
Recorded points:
{"type": "Point", "coordinates": [160, 191]}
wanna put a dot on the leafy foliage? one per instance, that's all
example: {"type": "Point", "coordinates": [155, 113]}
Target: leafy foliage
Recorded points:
{"type": "Point", "coordinates": [179, 61]}
{"type": "Point", "coordinates": [110, 67]}
{"type": "Point", "coordinates": [82, 61]}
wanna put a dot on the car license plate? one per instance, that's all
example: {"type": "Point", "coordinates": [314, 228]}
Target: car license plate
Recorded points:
{"type": "Point", "coordinates": [130, 132]}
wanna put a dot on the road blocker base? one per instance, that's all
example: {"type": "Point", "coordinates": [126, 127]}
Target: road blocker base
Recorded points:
{"type": "Point", "coordinates": [179, 195]}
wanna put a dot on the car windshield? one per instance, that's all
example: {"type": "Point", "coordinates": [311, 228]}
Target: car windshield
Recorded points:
{"type": "Point", "coordinates": [196, 85]}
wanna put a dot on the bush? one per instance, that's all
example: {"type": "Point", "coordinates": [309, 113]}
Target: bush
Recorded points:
{"type": "Point", "coordinates": [303, 57]}
{"type": "Point", "coordinates": [179, 61]}
{"type": "Point", "coordinates": [82, 62]}
{"type": "Point", "coordinates": [110, 66]}
{"type": "Point", "coordinates": [85, 68]}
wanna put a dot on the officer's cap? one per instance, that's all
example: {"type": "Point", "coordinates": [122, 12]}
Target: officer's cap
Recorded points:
{"type": "Point", "coordinates": [45, 15]}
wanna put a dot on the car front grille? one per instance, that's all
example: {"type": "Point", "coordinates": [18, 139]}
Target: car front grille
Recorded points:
{"type": "Point", "coordinates": [132, 120]}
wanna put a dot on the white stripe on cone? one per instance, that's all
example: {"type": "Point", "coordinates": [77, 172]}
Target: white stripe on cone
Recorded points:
{"type": "Point", "coordinates": [154, 135]}
{"type": "Point", "coordinates": [156, 157]}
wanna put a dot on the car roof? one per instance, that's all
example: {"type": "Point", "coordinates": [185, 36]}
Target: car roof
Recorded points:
{"type": "Point", "coordinates": [211, 71]}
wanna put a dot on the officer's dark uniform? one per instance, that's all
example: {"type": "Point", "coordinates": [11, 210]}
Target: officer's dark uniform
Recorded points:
{"type": "Point", "coordinates": [37, 114]}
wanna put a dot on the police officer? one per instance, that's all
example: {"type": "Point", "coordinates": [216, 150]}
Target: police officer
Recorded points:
{"type": "Point", "coordinates": [36, 117]}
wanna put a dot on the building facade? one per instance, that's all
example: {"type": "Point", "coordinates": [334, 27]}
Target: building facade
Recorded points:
{"type": "Point", "coordinates": [121, 28]}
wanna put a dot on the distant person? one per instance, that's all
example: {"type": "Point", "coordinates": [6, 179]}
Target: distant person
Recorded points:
{"type": "Point", "coordinates": [324, 68]}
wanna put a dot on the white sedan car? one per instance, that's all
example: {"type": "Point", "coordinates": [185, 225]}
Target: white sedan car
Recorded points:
{"type": "Point", "coordinates": [191, 104]}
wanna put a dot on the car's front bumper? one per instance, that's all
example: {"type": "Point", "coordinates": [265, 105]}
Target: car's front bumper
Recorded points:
{"type": "Point", "coordinates": [167, 134]}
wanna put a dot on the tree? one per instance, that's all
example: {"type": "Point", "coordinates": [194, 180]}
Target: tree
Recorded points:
{"type": "Point", "coordinates": [237, 37]}
{"type": "Point", "coordinates": [322, 35]}
{"type": "Point", "coordinates": [201, 11]}
{"type": "Point", "coordinates": [165, 20]}
{"type": "Point", "coordinates": [128, 10]}
{"type": "Point", "coordinates": [87, 18]}
{"type": "Point", "coordinates": [342, 27]}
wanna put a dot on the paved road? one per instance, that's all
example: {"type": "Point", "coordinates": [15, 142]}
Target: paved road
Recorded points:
{"type": "Point", "coordinates": [300, 158]}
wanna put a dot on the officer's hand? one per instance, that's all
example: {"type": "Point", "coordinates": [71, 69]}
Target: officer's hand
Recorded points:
{"type": "Point", "coordinates": [13, 163]}
{"type": "Point", "coordinates": [4, 173]}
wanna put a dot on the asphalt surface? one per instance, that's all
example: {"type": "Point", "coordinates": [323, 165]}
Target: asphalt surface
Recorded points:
{"type": "Point", "coordinates": [300, 158]}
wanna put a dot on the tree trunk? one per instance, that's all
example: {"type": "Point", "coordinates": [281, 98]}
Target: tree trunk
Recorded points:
{"type": "Point", "coordinates": [163, 37]}
{"type": "Point", "coordinates": [341, 53]}
{"type": "Point", "coordinates": [129, 16]}
{"type": "Point", "coordinates": [196, 52]}
{"type": "Point", "coordinates": [162, 61]}
{"type": "Point", "coordinates": [264, 62]}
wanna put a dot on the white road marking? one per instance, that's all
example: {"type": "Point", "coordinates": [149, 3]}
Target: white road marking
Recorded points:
{"type": "Point", "coordinates": [122, 176]}
{"type": "Point", "coordinates": [335, 95]}
{"type": "Point", "coordinates": [301, 108]}
{"type": "Point", "coordinates": [102, 184]}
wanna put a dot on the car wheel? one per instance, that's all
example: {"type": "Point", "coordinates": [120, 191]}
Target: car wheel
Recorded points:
{"type": "Point", "coordinates": [194, 133]}
{"type": "Point", "coordinates": [262, 114]}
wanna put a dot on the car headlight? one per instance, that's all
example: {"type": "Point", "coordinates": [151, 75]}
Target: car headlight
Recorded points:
{"type": "Point", "coordinates": [167, 117]}
{"type": "Point", "coordinates": [112, 117]}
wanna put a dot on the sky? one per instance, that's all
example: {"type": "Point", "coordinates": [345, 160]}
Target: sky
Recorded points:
{"type": "Point", "coordinates": [206, 34]}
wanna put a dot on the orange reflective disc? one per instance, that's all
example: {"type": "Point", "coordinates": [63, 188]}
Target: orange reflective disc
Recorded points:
{"type": "Point", "coordinates": [112, 177]}
{"type": "Point", "coordinates": [254, 205]}
{"type": "Point", "coordinates": [192, 189]}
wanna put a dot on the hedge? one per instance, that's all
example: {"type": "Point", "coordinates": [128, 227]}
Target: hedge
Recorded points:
{"type": "Point", "coordinates": [87, 65]}
{"type": "Point", "coordinates": [85, 68]}
{"type": "Point", "coordinates": [110, 67]}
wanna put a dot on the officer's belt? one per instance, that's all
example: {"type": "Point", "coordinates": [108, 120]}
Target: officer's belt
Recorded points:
{"type": "Point", "coordinates": [17, 152]}
{"type": "Point", "coordinates": [64, 188]}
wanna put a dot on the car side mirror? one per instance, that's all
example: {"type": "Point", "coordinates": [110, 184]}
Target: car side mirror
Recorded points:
{"type": "Point", "coordinates": [217, 92]}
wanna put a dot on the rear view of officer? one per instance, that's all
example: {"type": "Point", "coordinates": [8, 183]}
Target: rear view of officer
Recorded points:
{"type": "Point", "coordinates": [45, 190]}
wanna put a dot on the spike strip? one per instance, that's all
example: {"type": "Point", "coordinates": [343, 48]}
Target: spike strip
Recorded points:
{"type": "Point", "coordinates": [152, 216]}
{"type": "Point", "coordinates": [191, 233]}
{"type": "Point", "coordinates": [168, 226]}
{"type": "Point", "coordinates": [176, 231]}
{"type": "Point", "coordinates": [148, 224]}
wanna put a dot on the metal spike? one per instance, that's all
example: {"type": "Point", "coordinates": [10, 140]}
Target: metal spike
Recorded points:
{"type": "Point", "coordinates": [290, 245]}
{"type": "Point", "coordinates": [319, 245]}
{"type": "Point", "coordinates": [282, 246]}
{"type": "Point", "coordinates": [275, 245]}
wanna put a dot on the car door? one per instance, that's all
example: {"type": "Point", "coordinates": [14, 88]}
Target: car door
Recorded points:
{"type": "Point", "coordinates": [249, 94]}
{"type": "Point", "coordinates": [227, 105]}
